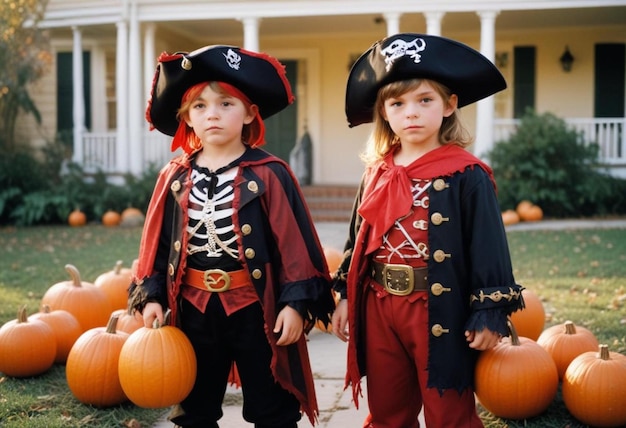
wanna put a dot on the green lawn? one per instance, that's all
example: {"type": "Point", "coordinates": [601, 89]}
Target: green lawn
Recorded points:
{"type": "Point", "coordinates": [579, 275]}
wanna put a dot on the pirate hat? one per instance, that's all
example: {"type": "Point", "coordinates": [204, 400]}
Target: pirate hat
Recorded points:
{"type": "Point", "coordinates": [465, 71]}
{"type": "Point", "coordinates": [259, 76]}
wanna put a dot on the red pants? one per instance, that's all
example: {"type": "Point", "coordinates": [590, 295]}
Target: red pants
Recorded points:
{"type": "Point", "coordinates": [396, 345]}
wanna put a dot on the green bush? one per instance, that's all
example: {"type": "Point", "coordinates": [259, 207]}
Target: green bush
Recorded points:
{"type": "Point", "coordinates": [547, 163]}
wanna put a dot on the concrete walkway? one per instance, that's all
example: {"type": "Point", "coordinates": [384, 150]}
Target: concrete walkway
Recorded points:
{"type": "Point", "coordinates": [328, 354]}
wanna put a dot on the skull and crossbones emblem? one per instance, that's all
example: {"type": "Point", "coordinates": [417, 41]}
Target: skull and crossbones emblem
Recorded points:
{"type": "Point", "coordinates": [232, 59]}
{"type": "Point", "coordinates": [399, 48]}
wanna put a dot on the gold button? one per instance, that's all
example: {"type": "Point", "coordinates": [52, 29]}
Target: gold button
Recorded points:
{"type": "Point", "coordinates": [439, 184]}
{"type": "Point", "coordinates": [437, 219]}
{"type": "Point", "coordinates": [186, 64]}
{"type": "Point", "coordinates": [438, 330]}
{"type": "Point", "coordinates": [437, 289]}
{"type": "Point", "coordinates": [175, 186]}
{"type": "Point", "coordinates": [253, 187]}
{"type": "Point", "coordinates": [256, 274]}
{"type": "Point", "coordinates": [246, 229]}
{"type": "Point", "coordinates": [440, 256]}
{"type": "Point", "coordinates": [250, 253]}
{"type": "Point", "coordinates": [177, 246]}
{"type": "Point", "coordinates": [170, 269]}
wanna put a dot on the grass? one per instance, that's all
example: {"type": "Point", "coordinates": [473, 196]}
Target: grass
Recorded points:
{"type": "Point", "coordinates": [580, 275]}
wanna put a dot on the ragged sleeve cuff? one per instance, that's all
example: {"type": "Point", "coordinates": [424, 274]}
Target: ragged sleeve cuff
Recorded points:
{"type": "Point", "coordinates": [151, 289]}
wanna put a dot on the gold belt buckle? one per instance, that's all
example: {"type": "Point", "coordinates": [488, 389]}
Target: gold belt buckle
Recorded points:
{"type": "Point", "coordinates": [398, 279]}
{"type": "Point", "coordinates": [210, 282]}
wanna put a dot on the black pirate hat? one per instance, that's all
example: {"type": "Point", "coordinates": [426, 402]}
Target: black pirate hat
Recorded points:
{"type": "Point", "coordinates": [465, 71]}
{"type": "Point", "coordinates": [259, 76]}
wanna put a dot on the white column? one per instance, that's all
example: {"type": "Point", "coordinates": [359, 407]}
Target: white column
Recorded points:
{"type": "Point", "coordinates": [251, 34]}
{"type": "Point", "coordinates": [122, 153]}
{"type": "Point", "coordinates": [393, 23]}
{"type": "Point", "coordinates": [485, 108]}
{"type": "Point", "coordinates": [149, 59]}
{"type": "Point", "coordinates": [433, 22]}
{"type": "Point", "coordinates": [78, 97]}
{"type": "Point", "coordinates": [136, 108]}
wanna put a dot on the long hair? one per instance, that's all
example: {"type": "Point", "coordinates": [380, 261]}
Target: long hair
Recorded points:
{"type": "Point", "coordinates": [252, 134]}
{"type": "Point", "coordinates": [382, 138]}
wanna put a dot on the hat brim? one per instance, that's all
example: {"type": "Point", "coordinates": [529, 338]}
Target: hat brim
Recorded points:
{"type": "Point", "coordinates": [259, 76]}
{"type": "Point", "coordinates": [465, 71]}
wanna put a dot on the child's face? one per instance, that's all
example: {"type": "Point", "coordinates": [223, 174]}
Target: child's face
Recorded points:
{"type": "Point", "coordinates": [416, 116]}
{"type": "Point", "coordinates": [218, 118]}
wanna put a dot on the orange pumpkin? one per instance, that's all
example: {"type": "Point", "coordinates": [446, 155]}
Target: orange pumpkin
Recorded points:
{"type": "Point", "coordinates": [88, 303]}
{"type": "Point", "coordinates": [92, 366]}
{"type": "Point", "coordinates": [534, 213]}
{"type": "Point", "coordinates": [128, 322]}
{"type": "Point", "coordinates": [530, 321]}
{"type": "Point", "coordinates": [334, 258]}
{"type": "Point", "coordinates": [321, 325]}
{"type": "Point", "coordinates": [115, 284]}
{"type": "Point", "coordinates": [510, 217]}
{"type": "Point", "coordinates": [27, 347]}
{"type": "Point", "coordinates": [65, 326]}
{"type": "Point", "coordinates": [566, 341]}
{"type": "Point", "coordinates": [594, 388]}
{"type": "Point", "coordinates": [111, 218]}
{"type": "Point", "coordinates": [516, 379]}
{"type": "Point", "coordinates": [152, 378]}
{"type": "Point", "coordinates": [77, 218]}
{"type": "Point", "coordinates": [132, 217]}
{"type": "Point", "coordinates": [522, 207]}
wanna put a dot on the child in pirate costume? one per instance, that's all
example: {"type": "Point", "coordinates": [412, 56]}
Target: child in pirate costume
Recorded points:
{"type": "Point", "coordinates": [228, 244]}
{"type": "Point", "coordinates": [427, 281]}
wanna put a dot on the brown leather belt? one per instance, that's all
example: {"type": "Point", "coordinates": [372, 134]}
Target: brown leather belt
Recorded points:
{"type": "Point", "coordinates": [216, 280]}
{"type": "Point", "coordinates": [400, 280]}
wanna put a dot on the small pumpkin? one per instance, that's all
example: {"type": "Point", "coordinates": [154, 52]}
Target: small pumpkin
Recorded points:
{"type": "Point", "coordinates": [320, 325]}
{"type": "Point", "coordinates": [115, 284]}
{"type": "Point", "coordinates": [152, 378]}
{"type": "Point", "coordinates": [111, 218]}
{"type": "Point", "coordinates": [334, 257]}
{"type": "Point", "coordinates": [27, 347]}
{"type": "Point", "coordinates": [594, 388]}
{"type": "Point", "coordinates": [92, 366]}
{"type": "Point", "coordinates": [517, 379]}
{"type": "Point", "coordinates": [65, 326]}
{"type": "Point", "coordinates": [566, 341]}
{"type": "Point", "coordinates": [128, 322]}
{"type": "Point", "coordinates": [132, 217]}
{"type": "Point", "coordinates": [77, 218]}
{"type": "Point", "coordinates": [534, 213]}
{"type": "Point", "coordinates": [88, 303]}
{"type": "Point", "coordinates": [510, 217]}
{"type": "Point", "coordinates": [530, 321]}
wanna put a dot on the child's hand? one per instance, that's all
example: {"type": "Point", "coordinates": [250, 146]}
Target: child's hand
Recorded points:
{"type": "Point", "coordinates": [482, 340]}
{"type": "Point", "coordinates": [151, 312]}
{"type": "Point", "coordinates": [291, 324]}
{"type": "Point", "coordinates": [340, 320]}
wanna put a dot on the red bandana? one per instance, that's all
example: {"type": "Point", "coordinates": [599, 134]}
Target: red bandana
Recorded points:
{"type": "Point", "coordinates": [389, 197]}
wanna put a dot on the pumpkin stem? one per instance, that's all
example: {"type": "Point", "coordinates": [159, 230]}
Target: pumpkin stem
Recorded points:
{"type": "Point", "coordinates": [112, 324]}
{"type": "Point", "coordinates": [74, 274]}
{"type": "Point", "coordinates": [167, 318]}
{"type": "Point", "coordinates": [604, 352]}
{"type": "Point", "coordinates": [118, 267]}
{"type": "Point", "coordinates": [21, 314]}
{"type": "Point", "coordinates": [570, 327]}
{"type": "Point", "coordinates": [45, 308]}
{"type": "Point", "coordinates": [514, 337]}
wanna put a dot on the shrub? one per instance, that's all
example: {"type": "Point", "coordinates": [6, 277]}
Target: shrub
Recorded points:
{"type": "Point", "coordinates": [546, 162]}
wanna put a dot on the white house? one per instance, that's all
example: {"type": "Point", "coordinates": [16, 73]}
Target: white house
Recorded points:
{"type": "Point", "coordinates": [105, 52]}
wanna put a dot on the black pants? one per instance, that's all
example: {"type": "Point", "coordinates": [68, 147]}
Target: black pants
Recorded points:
{"type": "Point", "coordinates": [218, 340]}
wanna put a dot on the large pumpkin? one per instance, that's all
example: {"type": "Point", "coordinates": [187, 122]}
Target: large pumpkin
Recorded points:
{"type": "Point", "coordinates": [530, 321]}
{"type": "Point", "coordinates": [92, 366]}
{"type": "Point", "coordinates": [516, 379]}
{"type": "Point", "coordinates": [88, 303]}
{"type": "Point", "coordinates": [566, 341]}
{"type": "Point", "coordinates": [27, 347]}
{"type": "Point", "coordinates": [115, 284]}
{"type": "Point", "coordinates": [157, 366]}
{"type": "Point", "coordinates": [594, 388]}
{"type": "Point", "coordinates": [65, 326]}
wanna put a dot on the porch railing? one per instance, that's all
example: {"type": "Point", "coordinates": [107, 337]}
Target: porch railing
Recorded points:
{"type": "Point", "coordinates": [608, 133]}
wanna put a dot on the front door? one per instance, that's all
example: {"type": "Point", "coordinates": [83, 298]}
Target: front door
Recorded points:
{"type": "Point", "coordinates": [281, 129]}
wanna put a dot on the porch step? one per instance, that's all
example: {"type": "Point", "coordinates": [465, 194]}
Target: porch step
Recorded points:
{"type": "Point", "coordinates": [329, 203]}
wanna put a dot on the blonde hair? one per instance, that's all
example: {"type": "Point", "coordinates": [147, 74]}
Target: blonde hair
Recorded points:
{"type": "Point", "coordinates": [382, 138]}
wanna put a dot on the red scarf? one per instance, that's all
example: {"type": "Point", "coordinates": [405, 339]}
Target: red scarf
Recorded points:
{"type": "Point", "coordinates": [389, 197]}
